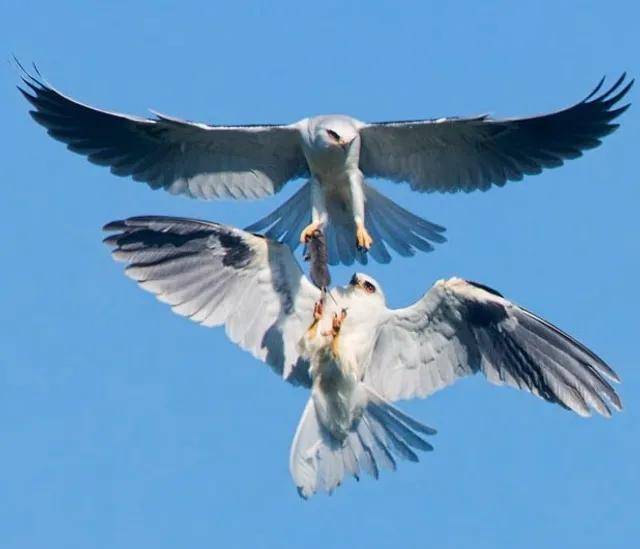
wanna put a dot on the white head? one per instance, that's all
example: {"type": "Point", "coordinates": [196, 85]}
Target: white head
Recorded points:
{"type": "Point", "coordinates": [363, 301]}
{"type": "Point", "coordinates": [334, 132]}
{"type": "Point", "coordinates": [366, 290]}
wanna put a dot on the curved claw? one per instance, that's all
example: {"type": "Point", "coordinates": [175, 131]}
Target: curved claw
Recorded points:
{"type": "Point", "coordinates": [318, 309]}
{"type": "Point", "coordinates": [363, 238]}
{"type": "Point", "coordinates": [337, 320]}
{"type": "Point", "coordinates": [336, 323]}
{"type": "Point", "coordinates": [308, 232]}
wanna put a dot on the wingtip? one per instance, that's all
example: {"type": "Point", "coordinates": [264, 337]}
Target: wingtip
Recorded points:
{"type": "Point", "coordinates": [36, 69]}
{"type": "Point", "coordinates": [615, 86]}
{"type": "Point", "coordinates": [612, 376]}
{"type": "Point", "coordinates": [116, 225]}
{"type": "Point", "coordinates": [25, 93]}
{"type": "Point", "coordinates": [111, 241]}
{"type": "Point", "coordinates": [616, 403]}
{"type": "Point", "coordinates": [302, 494]}
{"type": "Point", "coordinates": [25, 75]}
{"type": "Point", "coordinates": [606, 95]}
{"type": "Point", "coordinates": [595, 90]}
{"type": "Point", "coordinates": [17, 64]}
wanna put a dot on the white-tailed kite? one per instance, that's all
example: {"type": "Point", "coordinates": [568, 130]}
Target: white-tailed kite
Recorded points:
{"type": "Point", "coordinates": [335, 154]}
{"type": "Point", "coordinates": [353, 353]}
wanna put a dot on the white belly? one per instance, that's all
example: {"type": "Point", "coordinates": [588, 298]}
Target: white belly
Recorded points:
{"type": "Point", "coordinates": [333, 393]}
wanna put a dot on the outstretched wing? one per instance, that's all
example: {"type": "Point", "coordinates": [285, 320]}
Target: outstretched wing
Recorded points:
{"type": "Point", "coordinates": [218, 275]}
{"type": "Point", "coordinates": [460, 328]}
{"type": "Point", "coordinates": [465, 154]}
{"type": "Point", "coordinates": [197, 160]}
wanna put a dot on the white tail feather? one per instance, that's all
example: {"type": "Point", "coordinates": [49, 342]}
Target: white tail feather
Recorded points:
{"type": "Point", "coordinates": [390, 226]}
{"type": "Point", "coordinates": [319, 461]}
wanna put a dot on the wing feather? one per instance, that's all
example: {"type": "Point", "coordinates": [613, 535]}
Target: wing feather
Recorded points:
{"type": "Point", "coordinates": [467, 154]}
{"type": "Point", "coordinates": [218, 275]}
{"type": "Point", "coordinates": [198, 160]}
{"type": "Point", "coordinates": [460, 328]}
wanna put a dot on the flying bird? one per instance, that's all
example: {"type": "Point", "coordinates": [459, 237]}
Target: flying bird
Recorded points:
{"type": "Point", "coordinates": [354, 354]}
{"type": "Point", "coordinates": [336, 154]}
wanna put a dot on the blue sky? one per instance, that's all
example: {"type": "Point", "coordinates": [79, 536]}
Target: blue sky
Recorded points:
{"type": "Point", "coordinates": [126, 426]}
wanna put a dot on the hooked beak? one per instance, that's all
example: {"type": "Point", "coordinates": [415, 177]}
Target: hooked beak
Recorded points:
{"type": "Point", "coordinates": [344, 143]}
{"type": "Point", "coordinates": [354, 280]}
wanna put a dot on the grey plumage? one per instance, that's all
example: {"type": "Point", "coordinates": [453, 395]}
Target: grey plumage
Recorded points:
{"type": "Point", "coordinates": [336, 154]}
{"type": "Point", "coordinates": [466, 154]}
{"type": "Point", "coordinates": [200, 161]}
{"type": "Point", "coordinates": [378, 440]}
{"type": "Point", "coordinates": [219, 275]}
{"type": "Point", "coordinates": [460, 328]}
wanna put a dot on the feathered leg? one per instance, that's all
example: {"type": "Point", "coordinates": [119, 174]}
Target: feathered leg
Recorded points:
{"type": "Point", "coordinates": [363, 238]}
{"type": "Point", "coordinates": [318, 211]}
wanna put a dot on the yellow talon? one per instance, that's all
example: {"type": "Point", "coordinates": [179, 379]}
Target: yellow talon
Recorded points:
{"type": "Point", "coordinates": [308, 231]}
{"type": "Point", "coordinates": [336, 325]}
{"type": "Point", "coordinates": [318, 309]}
{"type": "Point", "coordinates": [363, 238]}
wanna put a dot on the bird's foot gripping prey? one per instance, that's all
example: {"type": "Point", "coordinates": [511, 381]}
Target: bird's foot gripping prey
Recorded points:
{"type": "Point", "coordinates": [221, 276]}
{"type": "Point", "coordinates": [317, 255]}
{"type": "Point", "coordinates": [336, 324]}
{"type": "Point", "coordinates": [345, 422]}
{"type": "Point", "coordinates": [310, 231]}
{"type": "Point", "coordinates": [335, 155]}
{"type": "Point", "coordinates": [334, 332]}
{"type": "Point", "coordinates": [318, 308]}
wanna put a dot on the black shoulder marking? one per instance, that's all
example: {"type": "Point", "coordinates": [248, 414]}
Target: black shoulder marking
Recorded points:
{"type": "Point", "coordinates": [485, 288]}
{"type": "Point", "coordinates": [485, 314]}
{"type": "Point", "coordinates": [238, 253]}
{"type": "Point", "coordinates": [155, 239]}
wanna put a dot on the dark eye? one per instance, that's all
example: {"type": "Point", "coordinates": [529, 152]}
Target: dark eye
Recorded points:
{"type": "Point", "coordinates": [369, 287]}
{"type": "Point", "coordinates": [333, 134]}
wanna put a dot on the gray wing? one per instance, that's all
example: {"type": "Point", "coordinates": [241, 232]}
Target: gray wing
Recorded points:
{"type": "Point", "coordinates": [460, 328]}
{"type": "Point", "coordinates": [198, 160]}
{"type": "Point", "coordinates": [218, 275]}
{"type": "Point", "coordinates": [466, 154]}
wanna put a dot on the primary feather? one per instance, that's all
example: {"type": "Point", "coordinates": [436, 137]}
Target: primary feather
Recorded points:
{"type": "Point", "coordinates": [336, 153]}
{"type": "Point", "coordinates": [219, 275]}
{"type": "Point", "coordinates": [460, 328]}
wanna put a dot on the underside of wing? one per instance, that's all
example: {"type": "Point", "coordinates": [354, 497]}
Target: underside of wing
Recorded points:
{"type": "Point", "coordinates": [198, 160]}
{"type": "Point", "coordinates": [217, 275]}
{"type": "Point", "coordinates": [467, 154]}
{"type": "Point", "coordinates": [460, 328]}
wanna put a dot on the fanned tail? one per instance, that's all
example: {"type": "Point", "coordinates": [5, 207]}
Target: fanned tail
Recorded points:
{"type": "Point", "coordinates": [390, 226]}
{"type": "Point", "coordinates": [286, 222]}
{"type": "Point", "coordinates": [381, 436]}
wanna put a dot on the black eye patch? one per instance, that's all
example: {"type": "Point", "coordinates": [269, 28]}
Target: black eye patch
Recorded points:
{"type": "Point", "coordinates": [369, 287]}
{"type": "Point", "coordinates": [333, 134]}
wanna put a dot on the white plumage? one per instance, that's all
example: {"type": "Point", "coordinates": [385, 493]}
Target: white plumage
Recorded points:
{"type": "Point", "coordinates": [334, 154]}
{"type": "Point", "coordinates": [354, 354]}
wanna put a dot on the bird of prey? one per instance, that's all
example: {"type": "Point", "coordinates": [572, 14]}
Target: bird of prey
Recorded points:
{"type": "Point", "coordinates": [355, 355]}
{"type": "Point", "coordinates": [336, 154]}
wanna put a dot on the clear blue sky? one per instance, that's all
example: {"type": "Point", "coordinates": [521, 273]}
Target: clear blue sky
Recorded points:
{"type": "Point", "coordinates": [125, 426]}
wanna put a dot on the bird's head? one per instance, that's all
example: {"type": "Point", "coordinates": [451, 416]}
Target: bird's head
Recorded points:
{"type": "Point", "coordinates": [366, 287]}
{"type": "Point", "coordinates": [335, 132]}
